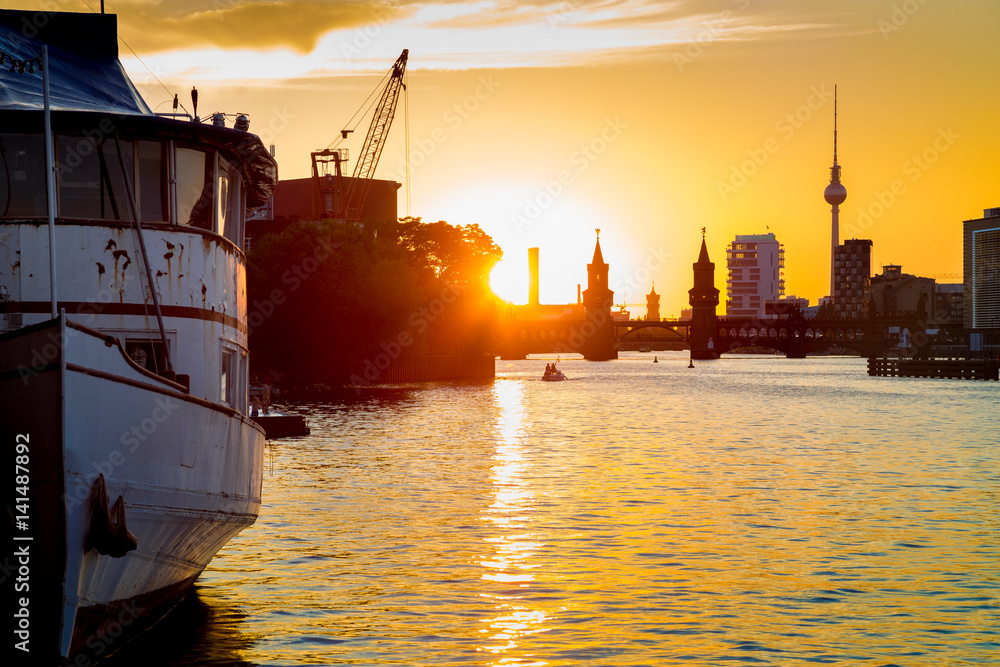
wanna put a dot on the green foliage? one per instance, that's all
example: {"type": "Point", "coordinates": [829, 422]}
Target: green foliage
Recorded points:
{"type": "Point", "coordinates": [455, 254]}
{"type": "Point", "coordinates": [327, 300]}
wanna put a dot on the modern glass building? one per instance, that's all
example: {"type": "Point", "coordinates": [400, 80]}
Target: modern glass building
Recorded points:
{"type": "Point", "coordinates": [981, 245]}
{"type": "Point", "coordinates": [755, 263]}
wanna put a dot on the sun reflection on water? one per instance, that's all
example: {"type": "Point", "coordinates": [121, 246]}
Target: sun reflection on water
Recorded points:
{"type": "Point", "coordinates": [514, 543]}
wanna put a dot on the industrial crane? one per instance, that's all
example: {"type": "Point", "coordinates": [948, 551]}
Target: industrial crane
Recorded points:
{"type": "Point", "coordinates": [331, 201]}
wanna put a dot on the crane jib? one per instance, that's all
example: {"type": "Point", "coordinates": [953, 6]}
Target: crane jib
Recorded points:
{"type": "Point", "coordinates": [348, 205]}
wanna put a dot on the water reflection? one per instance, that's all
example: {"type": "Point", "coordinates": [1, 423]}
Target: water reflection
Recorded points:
{"type": "Point", "coordinates": [514, 542]}
{"type": "Point", "coordinates": [205, 630]}
{"type": "Point", "coordinates": [812, 515]}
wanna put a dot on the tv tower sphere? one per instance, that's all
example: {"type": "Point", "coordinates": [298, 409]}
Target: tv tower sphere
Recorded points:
{"type": "Point", "coordinates": [835, 193]}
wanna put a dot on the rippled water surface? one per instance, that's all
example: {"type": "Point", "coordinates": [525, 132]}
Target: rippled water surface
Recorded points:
{"type": "Point", "coordinates": [752, 510]}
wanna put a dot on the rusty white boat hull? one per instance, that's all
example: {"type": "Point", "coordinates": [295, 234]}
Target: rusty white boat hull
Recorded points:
{"type": "Point", "coordinates": [188, 473]}
{"type": "Point", "coordinates": [124, 339]}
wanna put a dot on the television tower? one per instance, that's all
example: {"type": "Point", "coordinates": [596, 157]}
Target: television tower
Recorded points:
{"type": "Point", "coordinates": [835, 194]}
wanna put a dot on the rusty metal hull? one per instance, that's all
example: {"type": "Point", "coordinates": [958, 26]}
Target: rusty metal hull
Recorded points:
{"type": "Point", "coordinates": [186, 471]}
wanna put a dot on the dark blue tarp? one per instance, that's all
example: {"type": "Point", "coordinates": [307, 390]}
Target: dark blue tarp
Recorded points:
{"type": "Point", "coordinates": [84, 72]}
{"type": "Point", "coordinates": [86, 76]}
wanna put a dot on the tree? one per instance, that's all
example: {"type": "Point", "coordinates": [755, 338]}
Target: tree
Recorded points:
{"type": "Point", "coordinates": [455, 260]}
{"type": "Point", "coordinates": [460, 255]}
{"type": "Point", "coordinates": [328, 301]}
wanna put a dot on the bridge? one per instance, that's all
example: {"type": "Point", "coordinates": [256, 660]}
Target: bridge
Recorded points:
{"type": "Point", "coordinates": [590, 329]}
{"type": "Point", "coordinates": [793, 336]}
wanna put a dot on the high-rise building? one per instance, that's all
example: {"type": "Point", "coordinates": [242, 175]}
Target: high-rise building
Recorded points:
{"type": "Point", "coordinates": [852, 271]}
{"type": "Point", "coordinates": [981, 245]}
{"type": "Point", "coordinates": [754, 262]}
{"type": "Point", "coordinates": [835, 194]}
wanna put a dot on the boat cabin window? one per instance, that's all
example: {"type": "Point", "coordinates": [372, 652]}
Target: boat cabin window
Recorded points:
{"type": "Point", "coordinates": [228, 202]}
{"type": "Point", "coordinates": [89, 180]}
{"type": "Point", "coordinates": [195, 185]}
{"type": "Point", "coordinates": [90, 184]}
{"type": "Point", "coordinates": [151, 181]}
{"type": "Point", "coordinates": [148, 354]}
{"type": "Point", "coordinates": [233, 384]}
{"type": "Point", "coordinates": [22, 176]}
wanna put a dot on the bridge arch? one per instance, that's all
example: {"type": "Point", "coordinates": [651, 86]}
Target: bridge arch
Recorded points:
{"type": "Point", "coordinates": [670, 330]}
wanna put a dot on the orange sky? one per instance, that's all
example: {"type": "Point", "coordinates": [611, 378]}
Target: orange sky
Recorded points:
{"type": "Point", "coordinates": [543, 120]}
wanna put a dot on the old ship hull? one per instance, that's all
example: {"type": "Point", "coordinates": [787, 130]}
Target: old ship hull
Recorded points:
{"type": "Point", "coordinates": [188, 473]}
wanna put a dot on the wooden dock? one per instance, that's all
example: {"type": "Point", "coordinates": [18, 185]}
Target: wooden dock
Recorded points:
{"type": "Point", "coordinates": [282, 426]}
{"type": "Point", "coordinates": [955, 369]}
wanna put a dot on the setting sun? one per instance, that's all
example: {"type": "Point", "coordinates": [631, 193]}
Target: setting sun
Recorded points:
{"type": "Point", "coordinates": [509, 280]}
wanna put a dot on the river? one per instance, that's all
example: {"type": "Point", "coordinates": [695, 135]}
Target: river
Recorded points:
{"type": "Point", "coordinates": [754, 510]}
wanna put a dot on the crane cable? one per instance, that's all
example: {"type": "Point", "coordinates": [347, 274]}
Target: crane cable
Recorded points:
{"type": "Point", "coordinates": [362, 111]}
{"type": "Point", "coordinates": [406, 135]}
{"type": "Point", "coordinates": [163, 85]}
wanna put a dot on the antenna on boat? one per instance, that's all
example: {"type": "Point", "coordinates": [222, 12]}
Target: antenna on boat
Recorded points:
{"type": "Point", "coordinates": [50, 171]}
{"type": "Point", "coordinates": [194, 103]}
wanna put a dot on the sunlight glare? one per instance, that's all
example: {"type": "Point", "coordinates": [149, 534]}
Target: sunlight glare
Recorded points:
{"type": "Point", "coordinates": [509, 280]}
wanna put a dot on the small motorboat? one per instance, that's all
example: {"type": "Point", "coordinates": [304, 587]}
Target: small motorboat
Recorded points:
{"type": "Point", "coordinates": [553, 374]}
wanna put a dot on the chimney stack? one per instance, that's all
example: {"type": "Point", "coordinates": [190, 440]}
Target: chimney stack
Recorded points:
{"type": "Point", "coordinates": [532, 276]}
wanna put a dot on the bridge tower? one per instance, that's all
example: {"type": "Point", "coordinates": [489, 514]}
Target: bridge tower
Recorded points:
{"type": "Point", "coordinates": [597, 333]}
{"type": "Point", "coordinates": [704, 297]}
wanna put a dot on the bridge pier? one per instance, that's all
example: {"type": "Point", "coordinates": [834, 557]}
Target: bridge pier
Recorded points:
{"type": "Point", "coordinates": [795, 348]}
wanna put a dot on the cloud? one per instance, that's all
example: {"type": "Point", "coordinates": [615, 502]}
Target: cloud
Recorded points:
{"type": "Point", "coordinates": [151, 26]}
{"type": "Point", "coordinates": [284, 39]}
{"type": "Point", "coordinates": [233, 24]}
